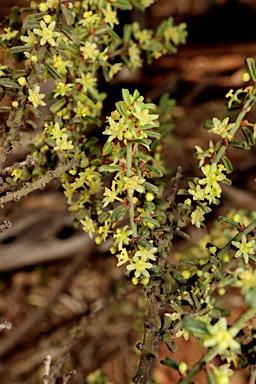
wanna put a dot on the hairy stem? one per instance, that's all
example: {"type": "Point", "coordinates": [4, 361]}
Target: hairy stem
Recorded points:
{"type": "Point", "coordinates": [130, 196]}
{"type": "Point", "coordinates": [38, 184]}
{"type": "Point", "coordinates": [150, 328]}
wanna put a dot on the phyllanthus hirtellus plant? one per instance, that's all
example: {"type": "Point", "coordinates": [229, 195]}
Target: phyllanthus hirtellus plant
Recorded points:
{"type": "Point", "coordinates": [115, 180]}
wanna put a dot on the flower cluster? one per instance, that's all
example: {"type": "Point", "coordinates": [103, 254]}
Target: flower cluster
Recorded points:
{"type": "Point", "coordinates": [220, 337]}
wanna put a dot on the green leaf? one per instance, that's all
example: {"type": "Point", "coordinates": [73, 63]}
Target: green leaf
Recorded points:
{"type": "Point", "coordinates": [56, 107]}
{"type": "Point", "coordinates": [142, 156]}
{"type": "Point", "coordinates": [208, 125]}
{"type": "Point", "coordinates": [14, 15]}
{"type": "Point", "coordinates": [126, 96]}
{"type": "Point", "coordinates": [32, 123]}
{"type": "Point", "coordinates": [67, 15]}
{"type": "Point", "coordinates": [151, 221]}
{"type": "Point", "coordinates": [223, 219]}
{"type": "Point", "coordinates": [93, 120]}
{"type": "Point", "coordinates": [21, 48]}
{"type": "Point", "coordinates": [38, 114]}
{"type": "Point", "coordinates": [195, 326]}
{"type": "Point", "coordinates": [145, 142]}
{"type": "Point", "coordinates": [170, 362]}
{"type": "Point", "coordinates": [31, 24]}
{"type": "Point", "coordinates": [69, 47]}
{"type": "Point", "coordinates": [61, 52]}
{"type": "Point", "coordinates": [211, 378]}
{"type": "Point", "coordinates": [146, 244]}
{"type": "Point", "coordinates": [153, 134]}
{"type": "Point", "coordinates": [250, 297]}
{"type": "Point", "coordinates": [110, 168]}
{"type": "Point", "coordinates": [201, 286]}
{"type": "Point", "coordinates": [121, 109]}
{"type": "Point", "coordinates": [53, 72]}
{"type": "Point", "coordinates": [217, 275]}
{"type": "Point", "coordinates": [9, 83]}
{"type": "Point", "coordinates": [127, 33]}
{"type": "Point", "coordinates": [149, 205]}
{"type": "Point", "coordinates": [107, 149]}
{"type": "Point", "coordinates": [251, 68]}
{"type": "Point", "coordinates": [119, 213]}
{"type": "Point", "coordinates": [249, 136]}
{"type": "Point", "coordinates": [195, 300]}
{"type": "Point", "coordinates": [121, 153]}
{"type": "Point", "coordinates": [168, 340]}
{"type": "Point", "coordinates": [151, 187]}
{"type": "Point", "coordinates": [50, 141]}
{"type": "Point", "coordinates": [154, 169]}
{"type": "Point", "coordinates": [239, 144]}
{"type": "Point", "coordinates": [182, 234]}
{"type": "Point", "coordinates": [5, 109]}
{"type": "Point", "coordinates": [178, 278]}
{"type": "Point", "coordinates": [123, 5]}
{"type": "Point", "coordinates": [70, 34]}
{"type": "Point", "coordinates": [190, 262]}
{"type": "Point", "coordinates": [227, 164]}
{"type": "Point", "coordinates": [36, 16]}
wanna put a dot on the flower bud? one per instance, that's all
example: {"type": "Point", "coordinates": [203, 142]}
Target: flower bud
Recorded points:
{"type": "Point", "coordinates": [22, 81]}
{"type": "Point", "coordinates": [15, 104]}
{"type": "Point", "coordinates": [47, 19]}
{"type": "Point", "coordinates": [150, 196]}
{"type": "Point", "coordinates": [183, 367]}
{"type": "Point", "coordinates": [43, 7]}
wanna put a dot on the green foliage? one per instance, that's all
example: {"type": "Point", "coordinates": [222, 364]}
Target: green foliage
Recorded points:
{"type": "Point", "coordinates": [115, 186]}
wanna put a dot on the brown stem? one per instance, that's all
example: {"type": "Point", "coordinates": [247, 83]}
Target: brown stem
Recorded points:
{"type": "Point", "coordinates": [39, 183]}
{"type": "Point", "coordinates": [150, 328]}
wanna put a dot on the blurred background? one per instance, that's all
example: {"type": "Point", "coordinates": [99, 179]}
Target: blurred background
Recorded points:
{"type": "Point", "coordinates": [63, 295]}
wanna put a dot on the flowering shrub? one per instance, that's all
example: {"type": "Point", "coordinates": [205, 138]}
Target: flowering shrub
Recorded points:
{"type": "Point", "coordinates": [115, 189]}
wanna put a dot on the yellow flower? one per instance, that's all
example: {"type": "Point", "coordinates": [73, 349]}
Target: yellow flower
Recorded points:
{"type": "Point", "coordinates": [30, 39]}
{"type": "Point", "coordinates": [35, 97]}
{"type": "Point", "coordinates": [46, 33]}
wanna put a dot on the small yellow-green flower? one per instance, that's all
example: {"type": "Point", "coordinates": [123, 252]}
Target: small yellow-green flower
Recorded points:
{"type": "Point", "coordinates": [233, 96]}
{"type": "Point", "coordinates": [222, 373]}
{"type": "Point", "coordinates": [134, 53]}
{"type": "Point", "coordinates": [89, 51]}
{"type": "Point", "coordinates": [220, 337]}
{"type": "Point", "coordinates": [35, 97]}
{"type": "Point", "coordinates": [88, 226]}
{"type": "Point", "coordinates": [148, 253]}
{"type": "Point", "coordinates": [115, 130]}
{"type": "Point", "coordinates": [140, 266]}
{"type": "Point", "coordinates": [134, 183]}
{"type": "Point", "coordinates": [245, 249]}
{"type": "Point", "coordinates": [222, 128]}
{"type": "Point", "coordinates": [122, 237]}
{"type": "Point", "coordinates": [110, 16]}
{"type": "Point", "coordinates": [122, 257]}
{"type": "Point", "coordinates": [30, 39]}
{"type": "Point", "coordinates": [46, 32]}
{"type": "Point", "coordinates": [197, 217]}
{"type": "Point", "coordinates": [110, 196]}
{"type": "Point", "coordinates": [196, 191]}
{"type": "Point", "coordinates": [61, 138]}
{"type": "Point", "coordinates": [63, 89]}
{"type": "Point", "coordinates": [8, 34]}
